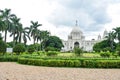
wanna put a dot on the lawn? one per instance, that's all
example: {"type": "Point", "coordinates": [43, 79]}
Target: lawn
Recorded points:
{"type": "Point", "coordinates": [89, 55]}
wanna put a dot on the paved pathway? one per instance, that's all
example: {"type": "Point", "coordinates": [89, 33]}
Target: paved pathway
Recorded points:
{"type": "Point", "coordinates": [14, 71]}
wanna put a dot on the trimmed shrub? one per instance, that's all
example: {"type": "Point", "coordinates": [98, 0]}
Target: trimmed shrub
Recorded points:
{"type": "Point", "coordinates": [102, 64]}
{"type": "Point", "coordinates": [108, 63]}
{"type": "Point", "coordinates": [105, 54]}
{"type": "Point", "coordinates": [51, 63]}
{"type": "Point", "coordinates": [8, 58]}
{"type": "Point", "coordinates": [72, 63]}
{"type": "Point", "coordinates": [19, 48]}
{"type": "Point", "coordinates": [52, 53]}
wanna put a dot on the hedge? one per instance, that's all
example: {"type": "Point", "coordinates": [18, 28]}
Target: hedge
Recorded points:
{"type": "Point", "coordinates": [51, 63]}
{"type": "Point", "coordinates": [101, 63]}
{"type": "Point", "coordinates": [65, 62]}
{"type": "Point", "coordinates": [8, 58]}
{"type": "Point", "coordinates": [71, 63]}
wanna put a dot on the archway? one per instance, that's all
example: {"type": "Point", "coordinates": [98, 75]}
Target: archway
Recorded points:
{"type": "Point", "coordinates": [76, 44]}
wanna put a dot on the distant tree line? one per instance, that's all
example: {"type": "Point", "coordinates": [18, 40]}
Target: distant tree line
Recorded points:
{"type": "Point", "coordinates": [10, 23]}
{"type": "Point", "coordinates": [111, 43]}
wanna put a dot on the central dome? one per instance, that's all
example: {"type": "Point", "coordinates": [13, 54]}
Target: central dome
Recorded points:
{"type": "Point", "coordinates": [76, 33]}
{"type": "Point", "coordinates": [77, 30]}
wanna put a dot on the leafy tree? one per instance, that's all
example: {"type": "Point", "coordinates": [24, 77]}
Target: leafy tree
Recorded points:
{"type": "Point", "coordinates": [103, 45]}
{"type": "Point", "coordinates": [50, 49]}
{"type": "Point", "coordinates": [31, 49]}
{"type": "Point", "coordinates": [10, 44]}
{"type": "Point", "coordinates": [55, 42]}
{"type": "Point", "coordinates": [19, 48]}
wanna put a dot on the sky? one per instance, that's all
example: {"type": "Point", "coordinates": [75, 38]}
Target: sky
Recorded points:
{"type": "Point", "coordinates": [59, 16]}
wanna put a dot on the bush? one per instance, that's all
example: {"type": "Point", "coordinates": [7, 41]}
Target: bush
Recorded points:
{"type": "Point", "coordinates": [102, 63]}
{"type": "Point", "coordinates": [118, 50]}
{"type": "Point", "coordinates": [51, 63]}
{"type": "Point", "coordinates": [105, 54]}
{"type": "Point", "coordinates": [50, 49]}
{"type": "Point", "coordinates": [77, 51]}
{"type": "Point", "coordinates": [86, 63]}
{"type": "Point", "coordinates": [19, 48]}
{"type": "Point", "coordinates": [31, 49]}
{"type": "Point", "coordinates": [3, 46]}
{"type": "Point", "coordinates": [52, 53]}
{"type": "Point", "coordinates": [108, 63]}
{"type": "Point", "coordinates": [8, 58]}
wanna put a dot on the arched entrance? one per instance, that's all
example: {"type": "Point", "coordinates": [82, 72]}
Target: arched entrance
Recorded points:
{"type": "Point", "coordinates": [76, 44]}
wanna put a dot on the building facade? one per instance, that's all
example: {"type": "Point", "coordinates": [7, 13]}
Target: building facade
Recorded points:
{"type": "Point", "coordinates": [76, 38]}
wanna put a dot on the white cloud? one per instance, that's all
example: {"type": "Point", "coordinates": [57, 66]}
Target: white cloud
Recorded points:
{"type": "Point", "coordinates": [114, 13]}
{"type": "Point", "coordinates": [59, 16]}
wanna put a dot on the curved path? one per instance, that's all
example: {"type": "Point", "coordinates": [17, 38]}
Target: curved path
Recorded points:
{"type": "Point", "coordinates": [14, 71]}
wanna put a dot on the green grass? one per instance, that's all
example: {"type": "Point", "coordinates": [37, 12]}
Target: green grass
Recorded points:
{"type": "Point", "coordinates": [91, 55]}
{"type": "Point", "coordinates": [83, 55]}
{"type": "Point", "coordinates": [66, 54]}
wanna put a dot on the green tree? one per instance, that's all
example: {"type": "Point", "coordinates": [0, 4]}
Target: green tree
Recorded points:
{"type": "Point", "coordinates": [78, 51]}
{"type": "Point", "coordinates": [44, 36]}
{"type": "Point", "coordinates": [6, 15]}
{"type": "Point", "coordinates": [25, 35]}
{"type": "Point", "coordinates": [55, 42]}
{"type": "Point", "coordinates": [103, 45]}
{"type": "Point", "coordinates": [15, 28]}
{"type": "Point", "coordinates": [117, 33]}
{"type": "Point", "coordinates": [110, 38]}
{"type": "Point", "coordinates": [1, 24]}
{"type": "Point", "coordinates": [33, 30]}
{"type": "Point", "coordinates": [31, 49]}
{"type": "Point", "coordinates": [19, 48]}
{"type": "Point", "coordinates": [3, 45]}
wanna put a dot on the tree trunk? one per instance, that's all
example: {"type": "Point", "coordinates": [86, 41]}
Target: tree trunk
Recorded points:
{"type": "Point", "coordinates": [20, 38]}
{"type": "Point", "coordinates": [5, 35]}
{"type": "Point", "coordinates": [13, 40]}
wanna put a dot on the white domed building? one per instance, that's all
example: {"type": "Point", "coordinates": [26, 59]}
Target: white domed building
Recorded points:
{"type": "Point", "coordinates": [77, 39]}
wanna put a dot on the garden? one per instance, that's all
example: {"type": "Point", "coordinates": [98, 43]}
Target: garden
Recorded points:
{"type": "Point", "coordinates": [57, 59]}
{"type": "Point", "coordinates": [46, 49]}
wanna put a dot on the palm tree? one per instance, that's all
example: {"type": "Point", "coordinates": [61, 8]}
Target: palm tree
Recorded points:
{"type": "Point", "coordinates": [6, 15]}
{"type": "Point", "coordinates": [110, 38]}
{"type": "Point", "coordinates": [1, 24]}
{"type": "Point", "coordinates": [44, 37]}
{"type": "Point", "coordinates": [15, 27]}
{"type": "Point", "coordinates": [33, 30]}
{"type": "Point", "coordinates": [117, 33]}
{"type": "Point", "coordinates": [18, 32]}
{"type": "Point", "coordinates": [25, 36]}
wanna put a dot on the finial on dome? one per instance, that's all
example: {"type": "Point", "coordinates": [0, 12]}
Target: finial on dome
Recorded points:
{"type": "Point", "coordinates": [76, 23]}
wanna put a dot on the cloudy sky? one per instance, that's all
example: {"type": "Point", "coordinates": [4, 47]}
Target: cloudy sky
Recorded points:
{"type": "Point", "coordinates": [59, 16]}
